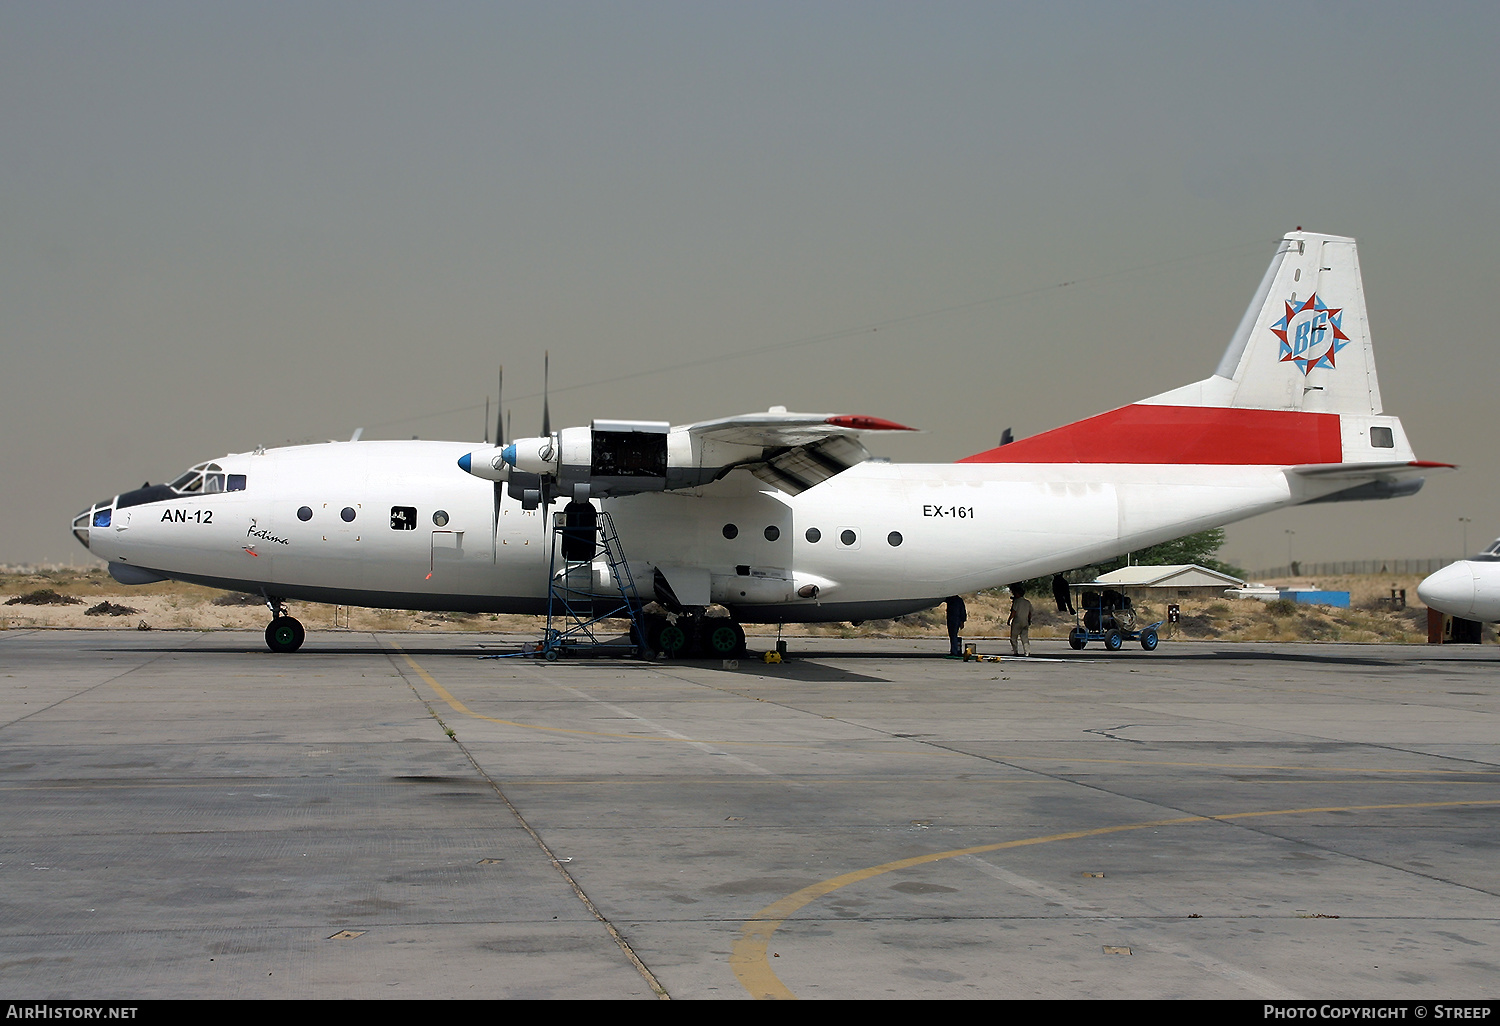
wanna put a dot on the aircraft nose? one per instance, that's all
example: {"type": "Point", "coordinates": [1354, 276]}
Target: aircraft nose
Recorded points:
{"type": "Point", "coordinates": [98, 515]}
{"type": "Point", "coordinates": [1450, 590]}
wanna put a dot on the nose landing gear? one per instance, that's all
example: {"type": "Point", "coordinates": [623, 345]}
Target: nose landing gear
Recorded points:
{"type": "Point", "coordinates": [285, 633]}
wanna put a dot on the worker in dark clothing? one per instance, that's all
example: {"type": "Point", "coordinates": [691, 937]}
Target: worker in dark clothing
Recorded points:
{"type": "Point", "coordinates": [958, 615]}
{"type": "Point", "coordinates": [1062, 594]}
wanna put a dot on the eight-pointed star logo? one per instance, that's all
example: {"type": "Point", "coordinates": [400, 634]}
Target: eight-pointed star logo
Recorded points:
{"type": "Point", "coordinates": [1311, 334]}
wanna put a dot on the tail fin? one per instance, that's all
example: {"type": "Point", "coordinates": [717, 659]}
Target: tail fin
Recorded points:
{"type": "Point", "coordinates": [1295, 388]}
{"type": "Point", "coordinates": [1304, 342]}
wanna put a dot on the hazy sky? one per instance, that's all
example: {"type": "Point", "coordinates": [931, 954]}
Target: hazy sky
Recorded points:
{"type": "Point", "coordinates": [223, 225]}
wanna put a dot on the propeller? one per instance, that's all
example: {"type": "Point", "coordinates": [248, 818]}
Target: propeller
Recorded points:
{"type": "Point", "coordinates": [535, 485]}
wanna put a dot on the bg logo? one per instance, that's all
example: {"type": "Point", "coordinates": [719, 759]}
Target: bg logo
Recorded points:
{"type": "Point", "coordinates": [1311, 334]}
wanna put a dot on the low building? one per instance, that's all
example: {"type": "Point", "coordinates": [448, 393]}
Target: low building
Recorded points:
{"type": "Point", "coordinates": [1167, 583]}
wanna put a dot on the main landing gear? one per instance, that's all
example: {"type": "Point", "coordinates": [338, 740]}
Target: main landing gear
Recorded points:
{"type": "Point", "coordinates": [687, 635]}
{"type": "Point", "coordinates": [285, 633]}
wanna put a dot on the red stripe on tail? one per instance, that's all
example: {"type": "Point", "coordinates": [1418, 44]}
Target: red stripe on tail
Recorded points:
{"type": "Point", "coordinates": [1143, 433]}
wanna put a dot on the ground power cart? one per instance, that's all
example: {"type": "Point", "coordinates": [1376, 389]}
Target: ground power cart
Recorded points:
{"type": "Point", "coordinates": [1108, 617]}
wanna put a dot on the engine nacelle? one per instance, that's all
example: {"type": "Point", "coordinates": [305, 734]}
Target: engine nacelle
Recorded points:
{"type": "Point", "coordinates": [791, 452]}
{"type": "Point", "coordinates": [610, 457]}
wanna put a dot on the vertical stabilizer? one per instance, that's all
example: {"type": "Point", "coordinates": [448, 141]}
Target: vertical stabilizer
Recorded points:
{"type": "Point", "coordinates": [1296, 387]}
{"type": "Point", "coordinates": [1304, 342]}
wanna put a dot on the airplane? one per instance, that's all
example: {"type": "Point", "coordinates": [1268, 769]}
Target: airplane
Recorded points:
{"type": "Point", "coordinates": [782, 517]}
{"type": "Point", "coordinates": [1469, 588]}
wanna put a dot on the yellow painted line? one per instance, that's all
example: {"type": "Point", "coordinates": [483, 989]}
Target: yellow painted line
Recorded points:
{"type": "Point", "coordinates": [748, 959]}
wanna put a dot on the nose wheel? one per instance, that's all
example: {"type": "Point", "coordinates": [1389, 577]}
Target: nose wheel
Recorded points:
{"type": "Point", "coordinates": [285, 634]}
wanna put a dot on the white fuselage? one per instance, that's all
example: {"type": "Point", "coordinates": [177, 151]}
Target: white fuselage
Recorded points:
{"type": "Point", "coordinates": [890, 538]}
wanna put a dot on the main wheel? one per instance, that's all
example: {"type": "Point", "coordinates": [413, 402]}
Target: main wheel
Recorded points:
{"type": "Point", "coordinates": [285, 634]}
{"type": "Point", "coordinates": [671, 640]}
{"type": "Point", "coordinates": [1077, 638]}
{"type": "Point", "coordinates": [1148, 640]}
{"type": "Point", "coordinates": [724, 638]}
{"type": "Point", "coordinates": [1113, 640]}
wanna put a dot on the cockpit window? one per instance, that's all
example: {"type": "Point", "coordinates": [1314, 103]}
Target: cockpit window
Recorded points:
{"type": "Point", "coordinates": [207, 479]}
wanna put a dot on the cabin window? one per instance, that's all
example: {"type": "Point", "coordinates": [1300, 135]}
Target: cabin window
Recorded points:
{"type": "Point", "coordinates": [773, 532]}
{"type": "Point", "coordinates": [1382, 438]}
{"type": "Point", "coordinates": [814, 535]}
{"type": "Point", "coordinates": [440, 518]}
{"type": "Point", "coordinates": [305, 513]}
{"type": "Point", "coordinates": [731, 532]}
{"type": "Point", "coordinates": [348, 514]}
{"type": "Point", "coordinates": [848, 537]}
{"type": "Point", "coordinates": [236, 482]}
{"type": "Point", "coordinates": [403, 518]}
{"type": "Point", "coordinates": [894, 538]}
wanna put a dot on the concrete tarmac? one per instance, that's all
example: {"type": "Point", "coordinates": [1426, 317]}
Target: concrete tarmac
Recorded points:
{"type": "Point", "coordinates": [186, 815]}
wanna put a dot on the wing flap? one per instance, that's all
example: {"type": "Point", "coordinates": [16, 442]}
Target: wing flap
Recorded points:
{"type": "Point", "coordinates": [796, 470]}
{"type": "Point", "coordinates": [791, 451]}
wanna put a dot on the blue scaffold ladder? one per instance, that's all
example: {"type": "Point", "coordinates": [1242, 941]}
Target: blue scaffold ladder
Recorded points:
{"type": "Point", "coordinates": [576, 608]}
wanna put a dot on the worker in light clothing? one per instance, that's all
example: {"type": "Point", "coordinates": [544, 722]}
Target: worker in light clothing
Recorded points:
{"type": "Point", "coordinates": [1020, 621]}
{"type": "Point", "coordinates": [958, 615]}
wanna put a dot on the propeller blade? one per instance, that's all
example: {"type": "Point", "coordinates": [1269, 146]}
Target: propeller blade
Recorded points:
{"type": "Point", "coordinates": [486, 420]}
{"type": "Point", "coordinates": [546, 416]}
{"type": "Point", "coordinates": [499, 405]}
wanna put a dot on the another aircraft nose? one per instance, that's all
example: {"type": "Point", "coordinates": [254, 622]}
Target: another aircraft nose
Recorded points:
{"type": "Point", "coordinates": [1450, 590]}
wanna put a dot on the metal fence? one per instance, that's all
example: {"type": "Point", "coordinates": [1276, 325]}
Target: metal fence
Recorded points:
{"type": "Point", "coordinates": [1358, 566]}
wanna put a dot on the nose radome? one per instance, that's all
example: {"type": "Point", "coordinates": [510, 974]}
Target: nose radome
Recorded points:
{"type": "Point", "coordinates": [1450, 590]}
